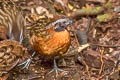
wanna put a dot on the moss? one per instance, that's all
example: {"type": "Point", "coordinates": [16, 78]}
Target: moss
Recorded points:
{"type": "Point", "coordinates": [108, 5]}
{"type": "Point", "coordinates": [89, 11]}
{"type": "Point", "coordinates": [104, 17]}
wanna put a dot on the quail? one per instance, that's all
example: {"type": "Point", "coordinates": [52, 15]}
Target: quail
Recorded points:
{"type": "Point", "coordinates": [12, 23]}
{"type": "Point", "coordinates": [51, 39]}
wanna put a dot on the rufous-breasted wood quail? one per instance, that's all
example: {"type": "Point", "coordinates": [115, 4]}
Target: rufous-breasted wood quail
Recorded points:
{"type": "Point", "coordinates": [51, 39]}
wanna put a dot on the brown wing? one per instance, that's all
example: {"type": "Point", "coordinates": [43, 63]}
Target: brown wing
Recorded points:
{"type": "Point", "coordinates": [10, 53]}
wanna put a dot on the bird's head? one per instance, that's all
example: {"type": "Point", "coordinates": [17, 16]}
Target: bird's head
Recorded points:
{"type": "Point", "coordinates": [60, 24]}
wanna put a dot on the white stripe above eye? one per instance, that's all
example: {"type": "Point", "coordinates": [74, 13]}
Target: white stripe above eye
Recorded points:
{"type": "Point", "coordinates": [66, 20]}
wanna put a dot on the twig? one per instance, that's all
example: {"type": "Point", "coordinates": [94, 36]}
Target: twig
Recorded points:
{"type": "Point", "coordinates": [32, 78]}
{"type": "Point", "coordinates": [101, 59]}
{"type": "Point", "coordinates": [78, 44]}
{"type": "Point", "coordinates": [87, 68]}
{"type": "Point", "coordinates": [76, 50]}
{"type": "Point", "coordinates": [112, 46]}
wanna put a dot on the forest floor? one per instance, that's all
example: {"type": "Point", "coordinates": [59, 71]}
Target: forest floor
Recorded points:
{"type": "Point", "coordinates": [94, 53]}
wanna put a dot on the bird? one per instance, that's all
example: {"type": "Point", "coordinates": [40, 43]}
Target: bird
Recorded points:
{"type": "Point", "coordinates": [11, 54]}
{"type": "Point", "coordinates": [12, 19]}
{"type": "Point", "coordinates": [51, 39]}
{"type": "Point", "coordinates": [12, 23]}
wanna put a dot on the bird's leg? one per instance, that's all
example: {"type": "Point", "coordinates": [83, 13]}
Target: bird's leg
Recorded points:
{"type": "Point", "coordinates": [56, 69]}
{"type": "Point", "coordinates": [27, 62]}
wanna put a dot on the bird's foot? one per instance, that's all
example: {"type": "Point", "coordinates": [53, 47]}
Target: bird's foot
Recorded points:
{"type": "Point", "coordinates": [26, 63]}
{"type": "Point", "coordinates": [56, 69]}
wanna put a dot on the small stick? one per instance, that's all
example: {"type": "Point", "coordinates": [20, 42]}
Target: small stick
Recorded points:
{"type": "Point", "coordinates": [101, 59]}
